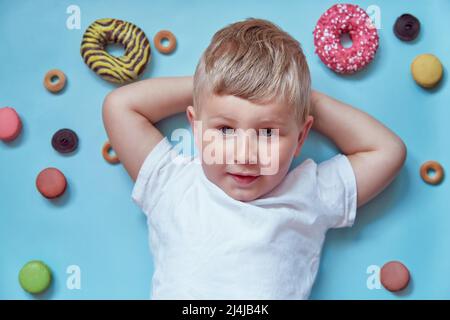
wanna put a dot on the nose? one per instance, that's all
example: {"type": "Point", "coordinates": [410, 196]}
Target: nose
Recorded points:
{"type": "Point", "coordinates": [246, 147]}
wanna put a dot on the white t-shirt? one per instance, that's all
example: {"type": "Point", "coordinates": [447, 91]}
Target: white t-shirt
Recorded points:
{"type": "Point", "coordinates": [207, 245]}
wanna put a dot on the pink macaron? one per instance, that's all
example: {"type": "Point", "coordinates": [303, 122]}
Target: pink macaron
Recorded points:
{"type": "Point", "coordinates": [51, 183]}
{"type": "Point", "coordinates": [394, 276]}
{"type": "Point", "coordinates": [10, 124]}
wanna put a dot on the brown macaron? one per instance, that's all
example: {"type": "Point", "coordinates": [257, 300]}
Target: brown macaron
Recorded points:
{"type": "Point", "coordinates": [407, 27]}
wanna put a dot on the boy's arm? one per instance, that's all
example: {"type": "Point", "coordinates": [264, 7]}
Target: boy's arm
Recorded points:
{"type": "Point", "coordinates": [129, 113]}
{"type": "Point", "coordinates": [375, 152]}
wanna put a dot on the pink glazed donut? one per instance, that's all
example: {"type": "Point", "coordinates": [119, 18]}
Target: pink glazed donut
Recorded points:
{"type": "Point", "coordinates": [338, 20]}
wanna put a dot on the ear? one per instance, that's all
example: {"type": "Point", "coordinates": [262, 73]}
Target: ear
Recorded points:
{"type": "Point", "coordinates": [190, 113]}
{"type": "Point", "coordinates": [304, 134]}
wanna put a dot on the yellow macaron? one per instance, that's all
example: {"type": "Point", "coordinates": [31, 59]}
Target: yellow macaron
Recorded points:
{"type": "Point", "coordinates": [427, 70]}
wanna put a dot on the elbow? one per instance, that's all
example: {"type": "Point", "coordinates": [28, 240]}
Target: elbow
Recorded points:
{"type": "Point", "coordinates": [402, 152]}
{"type": "Point", "coordinates": [109, 102]}
{"type": "Point", "coordinates": [110, 110]}
{"type": "Point", "coordinates": [397, 153]}
{"type": "Point", "coordinates": [111, 106]}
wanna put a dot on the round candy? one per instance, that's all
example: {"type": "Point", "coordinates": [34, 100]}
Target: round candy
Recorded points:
{"type": "Point", "coordinates": [65, 141]}
{"type": "Point", "coordinates": [394, 276]}
{"type": "Point", "coordinates": [407, 27]}
{"type": "Point", "coordinates": [35, 277]}
{"type": "Point", "coordinates": [51, 183]}
{"type": "Point", "coordinates": [427, 70]}
{"type": "Point", "coordinates": [10, 124]}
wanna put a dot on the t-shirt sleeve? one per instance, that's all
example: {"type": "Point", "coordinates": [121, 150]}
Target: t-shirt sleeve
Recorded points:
{"type": "Point", "coordinates": [336, 184]}
{"type": "Point", "coordinates": [159, 169]}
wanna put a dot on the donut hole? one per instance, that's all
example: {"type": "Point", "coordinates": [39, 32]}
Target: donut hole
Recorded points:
{"type": "Point", "coordinates": [54, 79]}
{"type": "Point", "coordinates": [431, 172]}
{"type": "Point", "coordinates": [346, 40]}
{"type": "Point", "coordinates": [408, 26]}
{"type": "Point", "coordinates": [115, 49]}
{"type": "Point", "coordinates": [111, 152]}
{"type": "Point", "coordinates": [165, 42]}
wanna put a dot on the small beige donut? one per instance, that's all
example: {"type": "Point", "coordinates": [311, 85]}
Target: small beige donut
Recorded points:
{"type": "Point", "coordinates": [55, 86]}
{"type": "Point", "coordinates": [108, 157]}
{"type": "Point", "coordinates": [436, 167]}
{"type": "Point", "coordinates": [160, 36]}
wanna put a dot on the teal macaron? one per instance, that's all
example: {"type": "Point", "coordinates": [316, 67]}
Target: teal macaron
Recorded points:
{"type": "Point", "coordinates": [35, 277]}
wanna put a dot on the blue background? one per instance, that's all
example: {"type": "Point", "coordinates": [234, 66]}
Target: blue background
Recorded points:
{"type": "Point", "coordinates": [96, 226]}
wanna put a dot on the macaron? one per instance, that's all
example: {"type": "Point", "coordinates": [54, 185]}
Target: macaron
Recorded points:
{"type": "Point", "coordinates": [407, 27]}
{"type": "Point", "coordinates": [51, 183]}
{"type": "Point", "coordinates": [65, 141]}
{"type": "Point", "coordinates": [394, 276]}
{"type": "Point", "coordinates": [10, 124]}
{"type": "Point", "coordinates": [35, 277]}
{"type": "Point", "coordinates": [427, 70]}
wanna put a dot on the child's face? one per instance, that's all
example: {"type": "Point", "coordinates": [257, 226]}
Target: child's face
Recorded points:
{"type": "Point", "coordinates": [246, 148]}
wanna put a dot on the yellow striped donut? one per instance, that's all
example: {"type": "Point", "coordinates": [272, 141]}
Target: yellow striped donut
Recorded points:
{"type": "Point", "coordinates": [115, 69]}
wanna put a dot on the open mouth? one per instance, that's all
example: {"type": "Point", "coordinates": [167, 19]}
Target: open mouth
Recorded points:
{"type": "Point", "coordinates": [243, 179]}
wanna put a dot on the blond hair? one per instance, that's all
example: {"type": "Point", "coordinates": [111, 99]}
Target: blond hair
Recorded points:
{"type": "Point", "coordinates": [255, 60]}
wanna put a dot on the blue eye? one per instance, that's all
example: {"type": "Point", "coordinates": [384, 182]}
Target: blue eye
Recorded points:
{"type": "Point", "coordinates": [227, 130]}
{"type": "Point", "coordinates": [266, 132]}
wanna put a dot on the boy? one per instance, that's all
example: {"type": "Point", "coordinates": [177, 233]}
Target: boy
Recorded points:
{"type": "Point", "coordinates": [229, 229]}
